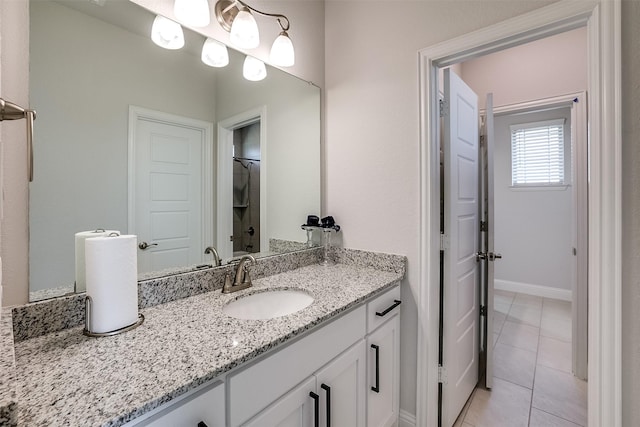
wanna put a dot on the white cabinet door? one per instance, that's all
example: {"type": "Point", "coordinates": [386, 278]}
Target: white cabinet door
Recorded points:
{"type": "Point", "coordinates": [341, 386]}
{"type": "Point", "coordinates": [206, 406]}
{"type": "Point", "coordinates": [294, 409]}
{"type": "Point", "coordinates": [383, 373]}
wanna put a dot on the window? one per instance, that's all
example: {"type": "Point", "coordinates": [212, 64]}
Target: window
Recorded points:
{"type": "Point", "coordinates": [537, 154]}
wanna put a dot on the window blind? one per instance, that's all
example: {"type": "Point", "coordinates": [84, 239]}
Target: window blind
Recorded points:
{"type": "Point", "coordinates": [537, 153]}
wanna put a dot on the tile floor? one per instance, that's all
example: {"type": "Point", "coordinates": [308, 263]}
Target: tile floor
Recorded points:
{"type": "Point", "coordinates": [533, 385]}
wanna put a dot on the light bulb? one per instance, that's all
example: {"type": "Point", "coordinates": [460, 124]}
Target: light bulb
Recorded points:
{"type": "Point", "coordinates": [254, 69]}
{"type": "Point", "coordinates": [282, 53]}
{"type": "Point", "coordinates": [192, 12]}
{"type": "Point", "coordinates": [214, 53]}
{"type": "Point", "coordinates": [244, 30]}
{"type": "Point", "coordinates": [167, 33]}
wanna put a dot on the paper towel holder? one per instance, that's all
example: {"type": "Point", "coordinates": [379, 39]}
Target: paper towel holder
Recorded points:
{"type": "Point", "coordinates": [87, 322]}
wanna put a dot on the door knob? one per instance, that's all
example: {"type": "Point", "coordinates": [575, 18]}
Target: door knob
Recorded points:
{"type": "Point", "coordinates": [493, 257]}
{"type": "Point", "coordinates": [481, 256]}
{"type": "Point", "coordinates": [145, 245]}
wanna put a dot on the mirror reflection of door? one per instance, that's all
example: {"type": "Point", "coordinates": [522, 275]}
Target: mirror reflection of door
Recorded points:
{"type": "Point", "coordinates": [246, 189]}
{"type": "Point", "coordinates": [169, 157]}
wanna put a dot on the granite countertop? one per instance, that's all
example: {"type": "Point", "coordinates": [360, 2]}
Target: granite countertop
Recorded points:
{"type": "Point", "coordinates": [66, 378]}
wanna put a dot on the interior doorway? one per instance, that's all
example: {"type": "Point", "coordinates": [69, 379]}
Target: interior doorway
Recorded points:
{"type": "Point", "coordinates": [246, 189]}
{"type": "Point", "coordinates": [604, 385]}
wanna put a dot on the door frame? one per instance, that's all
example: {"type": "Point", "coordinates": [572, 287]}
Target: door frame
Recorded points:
{"type": "Point", "coordinates": [602, 19]}
{"type": "Point", "coordinates": [225, 169]}
{"type": "Point", "coordinates": [579, 178]}
{"type": "Point", "coordinates": [139, 113]}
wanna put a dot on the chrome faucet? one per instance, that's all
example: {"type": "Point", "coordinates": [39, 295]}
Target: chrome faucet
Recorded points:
{"type": "Point", "coordinates": [216, 258]}
{"type": "Point", "coordinates": [242, 280]}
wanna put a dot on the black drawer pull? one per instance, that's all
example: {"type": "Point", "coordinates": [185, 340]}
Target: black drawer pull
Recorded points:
{"type": "Point", "coordinates": [376, 388]}
{"type": "Point", "coordinates": [202, 424]}
{"type": "Point", "coordinates": [316, 409]}
{"type": "Point", "coordinates": [396, 302]}
{"type": "Point", "coordinates": [328, 390]}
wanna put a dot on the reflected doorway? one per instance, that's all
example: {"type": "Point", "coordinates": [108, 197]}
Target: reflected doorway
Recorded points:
{"type": "Point", "coordinates": [246, 189]}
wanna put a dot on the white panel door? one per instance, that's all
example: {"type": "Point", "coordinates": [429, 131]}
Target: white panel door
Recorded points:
{"type": "Point", "coordinates": [168, 205]}
{"type": "Point", "coordinates": [461, 228]}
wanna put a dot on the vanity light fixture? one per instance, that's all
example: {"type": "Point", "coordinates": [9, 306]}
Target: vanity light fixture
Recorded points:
{"type": "Point", "coordinates": [236, 18]}
{"type": "Point", "coordinates": [214, 53]}
{"type": "Point", "coordinates": [192, 12]}
{"type": "Point", "coordinates": [253, 69]}
{"type": "Point", "coordinates": [167, 33]}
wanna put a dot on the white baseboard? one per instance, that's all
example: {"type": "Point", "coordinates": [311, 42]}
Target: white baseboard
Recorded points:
{"type": "Point", "coordinates": [530, 289]}
{"type": "Point", "coordinates": [407, 419]}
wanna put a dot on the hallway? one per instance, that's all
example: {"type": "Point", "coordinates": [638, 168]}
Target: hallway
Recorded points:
{"type": "Point", "coordinates": [533, 384]}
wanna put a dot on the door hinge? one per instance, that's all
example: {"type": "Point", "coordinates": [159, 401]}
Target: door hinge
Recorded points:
{"type": "Point", "coordinates": [442, 374]}
{"type": "Point", "coordinates": [444, 108]}
{"type": "Point", "coordinates": [484, 226]}
{"type": "Point", "coordinates": [483, 310]}
{"type": "Point", "coordinates": [444, 242]}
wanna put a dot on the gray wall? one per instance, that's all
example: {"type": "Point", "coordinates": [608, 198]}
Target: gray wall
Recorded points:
{"type": "Point", "coordinates": [631, 212]}
{"type": "Point", "coordinates": [533, 226]}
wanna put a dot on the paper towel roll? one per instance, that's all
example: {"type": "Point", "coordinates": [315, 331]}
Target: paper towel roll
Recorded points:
{"type": "Point", "coordinates": [81, 283]}
{"type": "Point", "coordinates": [112, 281]}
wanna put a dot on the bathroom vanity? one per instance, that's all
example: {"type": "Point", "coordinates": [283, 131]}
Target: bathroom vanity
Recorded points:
{"type": "Point", "coordinates": [190, 363]}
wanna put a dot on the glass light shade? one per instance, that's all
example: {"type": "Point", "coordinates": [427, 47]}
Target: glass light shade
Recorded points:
{"type": "Point", "coordinates": [192, 12]}
{"type": "Point", "coordinates": [214, 53]}
{"type": "Point", "coordinates": [282, 53]}
{"type": "Point", "coordinates": [254, 69]}
{"type": "Point", "coordinates": [244, 30]}
{"type": "Point", "coordinates": [167, 33]}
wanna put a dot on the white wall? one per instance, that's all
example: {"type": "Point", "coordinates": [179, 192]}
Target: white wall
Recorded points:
{"type": "Point", "coordinates": [533, 227]}
{"type": "Point", "coordinates": [372, 128]}
{"type": "Point", "coordinates": [542, 69]}
{"type": "Point", "coordinates": [83, 86]}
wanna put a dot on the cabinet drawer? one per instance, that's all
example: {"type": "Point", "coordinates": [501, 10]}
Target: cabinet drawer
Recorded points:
{"type": "Point", "coordinates": [254, 388]}
{"type": "Point", "coordinates": [206, 405]}
{"type": "Point", "coordinates": [380, 309]}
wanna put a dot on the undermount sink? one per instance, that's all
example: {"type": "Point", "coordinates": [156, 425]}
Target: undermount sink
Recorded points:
{"type": "Point", "coordinates": [268, 305]}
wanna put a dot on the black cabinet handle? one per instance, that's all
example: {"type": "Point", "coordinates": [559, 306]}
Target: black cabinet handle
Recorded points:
{"type": "Point", "coordinates": [376, 388]}
{"type": "Point", "coordinates": [328, 390]}
{"type": "Point", "coordinates": [396, 302]}
{"type": "Point", "coordinates": [202, 424]}
{"type": "Point", "coordinates": [316, 409]}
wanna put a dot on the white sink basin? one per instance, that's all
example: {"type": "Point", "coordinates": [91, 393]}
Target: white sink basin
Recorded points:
{"type": "Point", "coordinates": [268, 305]}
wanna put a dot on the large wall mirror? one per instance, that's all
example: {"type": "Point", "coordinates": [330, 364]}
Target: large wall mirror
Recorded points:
{"type": "Point", "coordinates": [153, 142]}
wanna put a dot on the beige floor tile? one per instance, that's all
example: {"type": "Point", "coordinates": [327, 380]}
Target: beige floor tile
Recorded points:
{"type": "Point", "coordinates": [519, 335]}
{"type": "Point", "coordinates": [542, 419]}
{"type": "Point", "coordinates": [505, 405]}
{"type": "Point", "coordinates": [498, 321]}
{"type": "Point", "coordinates": [558, 327]}
{"type": "Point", "coordinates": [514, 364]}
{"type": "Point", "coordinates": [528, 300]}
{"type": "Point", "coordinates": [554, 353]}
{"type": "Point", "coordinates": [501, 307]}
{"type": "Point", "coordinates": [560, 394]}
{"type": "Point", "coordinates": [556, 307]}
{"type": "Point", "coordinates": [504, 297]}
{"type": "Point", "coordinates": [529, 315]}
{"type": "Point", "coordinates": [460, 421]}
